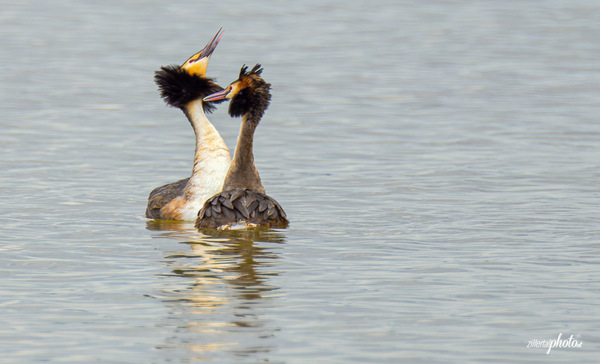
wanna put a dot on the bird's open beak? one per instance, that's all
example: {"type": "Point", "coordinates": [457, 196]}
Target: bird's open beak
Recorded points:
{"type": "Point", "coordinates": [212, 45]}
{"type": "Point", "coordinates": [221, 95]}
{"type": "Point", "coordinates": [197, 64]}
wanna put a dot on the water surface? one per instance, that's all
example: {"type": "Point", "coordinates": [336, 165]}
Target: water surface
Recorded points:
{"type": "Point", "coordinates": [438, 162]}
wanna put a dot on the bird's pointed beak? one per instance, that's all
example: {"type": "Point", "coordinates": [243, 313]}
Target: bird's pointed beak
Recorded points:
{"type": "Point", "coordinates": [221, 95]}
{"type": "Point", "coordinates": [197, 64]}
{"type": "Point", "coordinates": [212, 45]}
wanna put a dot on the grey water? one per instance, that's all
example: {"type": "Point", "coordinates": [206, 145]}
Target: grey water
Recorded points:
{"type": "Point", "coordinates": [438, 161]}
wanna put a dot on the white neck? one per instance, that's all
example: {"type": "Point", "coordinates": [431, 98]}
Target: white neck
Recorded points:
{"type": "Point", "coordinates": [209, 144]}
{"type": "Point", "coordinates": [211, 158]}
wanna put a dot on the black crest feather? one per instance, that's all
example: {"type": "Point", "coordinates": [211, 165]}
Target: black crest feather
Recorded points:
{"type": "Point", "coordinates": [257, 70]}
{"type": "Point", "coordinates": [178, 88]}
{"type": "Point", "coordinates": [254, 99]}
{"type": "Point", "coordinates": [243, 71]}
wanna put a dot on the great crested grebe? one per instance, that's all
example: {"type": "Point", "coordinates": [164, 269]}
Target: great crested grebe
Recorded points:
{"type": "Point", "coordinates": [243, 200]}
{"type": "Point", "coordinates": [184, 87]}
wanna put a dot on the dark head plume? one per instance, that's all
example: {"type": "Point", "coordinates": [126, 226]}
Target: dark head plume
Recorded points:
{"type": "Point", "coordinates": [178, 88]}
{"type": "Point", "coordinates": [256, 70]}
{"type": "Point", "coordinates": [254, 95]}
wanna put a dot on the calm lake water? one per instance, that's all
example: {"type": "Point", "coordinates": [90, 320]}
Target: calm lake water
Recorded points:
{"type": "Point", "coordinates": [438, 161]}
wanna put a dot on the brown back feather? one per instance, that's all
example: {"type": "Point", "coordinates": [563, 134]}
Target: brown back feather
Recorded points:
{"type": "Point", "coordinates": [160, 196]}
{"type": "Point", "coordinates": [241, 205]}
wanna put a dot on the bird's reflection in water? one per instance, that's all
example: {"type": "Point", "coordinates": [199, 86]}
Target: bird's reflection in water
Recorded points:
{"type": "Point", "coordinates": [218, 308]}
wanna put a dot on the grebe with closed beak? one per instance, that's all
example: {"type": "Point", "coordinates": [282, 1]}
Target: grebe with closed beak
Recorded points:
{"type": "Point", "coordinates": [184, 87]}
{"type": "Point", "coordinates": [243, 201]}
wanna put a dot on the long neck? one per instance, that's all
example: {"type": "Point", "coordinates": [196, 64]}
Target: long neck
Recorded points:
{"type": "Point", "coordinates": [209, 143]}
{"type": "Point", "coordinates": [243, 172]}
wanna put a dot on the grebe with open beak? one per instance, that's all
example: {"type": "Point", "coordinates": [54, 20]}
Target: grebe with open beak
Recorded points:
{"type": "Point", "coordinates": [185, 87]}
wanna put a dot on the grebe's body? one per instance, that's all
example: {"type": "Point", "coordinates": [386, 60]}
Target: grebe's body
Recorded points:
{"type": "Point", "coordinates": [184, 87]}
{"type": "Point", "coordinates": [243, 201]}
